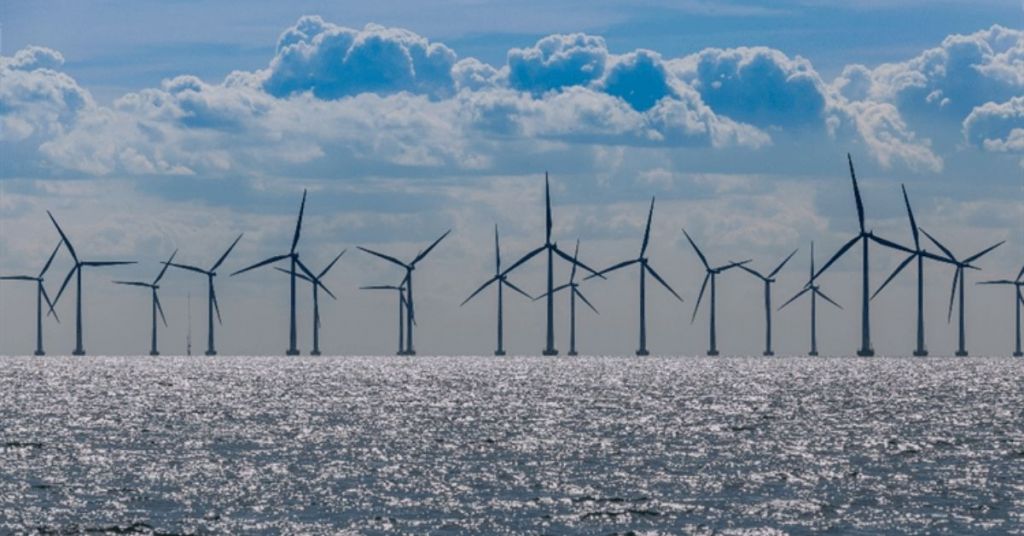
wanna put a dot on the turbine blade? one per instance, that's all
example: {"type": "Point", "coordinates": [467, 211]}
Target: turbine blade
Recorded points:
{"type": "Point", "coordinates": [753, 272]}
{"type": "Point", "coordinates": [216, 304]}
{"type": "Point", "coordinates": [856, 193]}
{"type": "Point", "coordinates": [380, 287]}
{"type": "Point", "coordinates": [164, 269]}
{"type": "Point", "coordinates": [388, 258]}
{"type": "Point", "coordinates": [226, 253]}
{"type": "Point", "coordinates": [300, 275]}
{"type": "Point", "coordinates": [19, 278]}
{"type": "Point", "coordinates": [49, 303]}
{"type": "Point", "coordinates": [133, 283]}
{"type": "Point", "coordinates": [795, 296]}
{"type": "Point", "coordinates": [107, 263]}
{"type": "Point", "coordinates": [943, 248]}
{"type": "Point", "coordinates": [732, 265]}
{"type": "Point", "coordinates": [647, 230]}
{"type": "Point", "coordinates": [302, 266]}
{"type": "Point", "coordinates": [432, 246]}
{"type": "Point", "coordinates": [298, 223]}
{"type": "Point", "coordinates": [187, 267]}
{"type": "Point", "coordinates": [781, 264]}
{"type": "Point", "coordinates": [523, 259]}
{"type": "Point", "coordinates": [934, 257]}
{"type": "Point", "coordinates": [480, 289]}
{"type": "Point", "coordinates": [846, 247]}
{"type": "Point", "coordinates": [261, 263]}
{"type": "Point", "coordinates": [612, 268]}
{"type": "Point", "coordinates": [553, 291]}
{"type": "Point", "coordinates": [812, 259]}
{"type": "Point", "coordinates": [1020, 274]}
{"type": "Point", "coordinates": [575, 256]}
{"type": "Point", "coordinates": [997, 282]}
{"type": "Point", "coordinates": [547, 205]}
{"type": "Point", "coordinates": [913, 223]}
{"type": "Point", "coordinates": [703, 286]}
{"type": "Point", "coordinates": [575, 262]}
{"type": "Point", "coordinates": [50, 260]}
{"type": "Point", "coordinates": [985, 251]}
{"type": "Point", "coordinates": [585, 300]}
{"type": "Point", "coordinates": [331, 265]}
{"type": "Point", "coordinates": [662, 281]}
{"type": "Point", "coordinates": [703, 259]}
{"type": "Point", "coordinates": [895, 273]}
{"type": "Point", "coordinates": [64, 285]}
{"type": "Point", "coordinates": [890, 244]}
{"type": "Point", "coordinates": [952, 294]}
{"type": "Point", "coordinates": [325, 289]}
{"type": "Point", "coordinates": [63, 237]}
{"type": "Point", "coordinates": [515, 288]}
{"type": "Point", "coordinates": [159, 308]}
{"type": "Point", "coordinates": [826, 298]}
{"type": "Point", "coordinates": [497, 251]}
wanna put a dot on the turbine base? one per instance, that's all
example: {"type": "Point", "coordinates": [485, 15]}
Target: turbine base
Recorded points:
{"type": "Point", "coordinates": [920, 353]}
{"type": "Point", "coordinates": [961, 353]}
{"type": "Point", "coordinates": [1018, 354]}
{"type": "Point", "coordinates": [211, 352]}
{"type": "Point", "coordinates": [866, 353]}
{"type": "Point", "coordinates": [768, 353]}
{"type": "Point", "coordinates": [549, 351]}
{"type": "Point", "coordinates": [292, 352]}
{"type": "Point", "coordinates": [154, 353]}
{"type": "Point", "coordinates": [642, 352]}
{"type": "Point", "coordinates": [39, 352]}
{"type": "Point", "coordinates": [410, 352]}
{"type": "Point", "coordinates": [812, 354]}
{"type": "Point", "coordinates": [712, 352]}
{"type": "Point", "coordinates": [571, 353]}
{"type": "Point", "coordinates": [315, 352]}
{"type": "Point", "coordinates": [499, 353]}
{"type": "Point", "coordinates": [78, 352]}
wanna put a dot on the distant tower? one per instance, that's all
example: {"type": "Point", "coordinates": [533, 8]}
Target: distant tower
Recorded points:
{"type": "Point", "coordinates": [188, 337]}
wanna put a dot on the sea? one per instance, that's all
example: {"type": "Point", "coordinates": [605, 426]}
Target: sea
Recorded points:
{"type": "Point", "coordinates": [511, 445]}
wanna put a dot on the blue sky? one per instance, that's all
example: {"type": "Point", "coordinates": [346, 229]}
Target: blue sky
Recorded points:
{"type": "Point", "coordinates": [150, 126]}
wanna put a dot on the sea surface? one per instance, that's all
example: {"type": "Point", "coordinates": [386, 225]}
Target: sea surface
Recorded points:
{"type": "Point", "coordinates": [513, 445]}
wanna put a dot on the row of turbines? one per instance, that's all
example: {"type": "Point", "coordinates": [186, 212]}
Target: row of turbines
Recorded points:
{"type": "Point", "coordinates": [403, 290]}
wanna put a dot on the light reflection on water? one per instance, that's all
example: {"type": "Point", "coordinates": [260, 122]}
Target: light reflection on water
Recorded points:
{"type": "Point", "coordinates": [484, 444]}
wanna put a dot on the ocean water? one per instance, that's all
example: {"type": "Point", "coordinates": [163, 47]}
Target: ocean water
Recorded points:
{"type": "Point", "coordinates": [591, 445]}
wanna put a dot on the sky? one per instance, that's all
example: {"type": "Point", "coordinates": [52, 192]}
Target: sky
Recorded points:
{"type": "Point", "coordinates": [154, 127]}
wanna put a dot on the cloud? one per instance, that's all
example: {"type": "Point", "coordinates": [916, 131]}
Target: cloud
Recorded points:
{"type": "Point", "coordinates": [333, 62]}
{"type": "Point", "coordinates": [997, 127]}
{"type": "Point", "coordinates": [37, 100]}
{"type": "Point", "coordinates": [557, 61]}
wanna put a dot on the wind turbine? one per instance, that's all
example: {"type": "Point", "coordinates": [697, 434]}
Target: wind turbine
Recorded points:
{"type": "Point", "coordinates": [1018, 299]}
{"type": "Point", "coordinates": [401, 311]}
{"type": "Point", "coordinates": [645, 268]}
{"type": "Point", "coordinates": [960, 275]}
{"type": "Point", "coordinates": [552, 250]}
{"type": "Point", "coordinates": [710, 273]}
{"type": "Point", "coordinates": [77, 272]}
{"type": "Point", "coordinates": [768, 280]}
{"type": "Point", "coordinates": [574, 289]}
{"type": "Point", "coordinates": [40, 296]}
{"type": "Point", "coordinates": [211, 294]}
{"type": "Point", "coordinates": [864, 236]}
{"type": "Point", "coordinates": [410, 315]}
{"type": "Point", "coordinates": [153, 287]}
{"type": "Point", "coordinates": [317, 285]}
{"type": "Point", "coordinates": [502, 280]}
{"type": "Point", "coordinates": [816, 292]}
{"type": "Point", "coordinates": [295, 262]}
{"type": "Point", "coordinates": [920, 255]}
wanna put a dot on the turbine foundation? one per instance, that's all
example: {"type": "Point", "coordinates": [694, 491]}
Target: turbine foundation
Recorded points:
{"type": "Point", "coordinates": [961, 353]}
{"type": "Point", "coordinates": [642, 352]}
{"type": "Point", "coordinates": [499, 353]}
{"type": "Point", "coordinates": [920, 353]}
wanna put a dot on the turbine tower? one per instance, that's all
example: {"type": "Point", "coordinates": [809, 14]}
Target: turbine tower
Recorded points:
{"type": "Point", "coordinates": [293, 256]}
{"type": "Point", "coordinates": [1018, 299]}
{"type": "Point", "coordinates": [816, 292]}
{"type": "Point", "coordinates": [645, 268]}
{"type": "Point", "coordinates": [77, 272]}
{"type": "Point", "coordinates": [40, 296]}
{"type": "Point", "coordinates": [959, 276]}
{"type": "Point", "coordinates": [401, 311]}
{"type": "Point", "coordinates": [552, 249]}
{"type": "Point", "coordinates": [502, 280]}
{"type": "Point", "coordinates": [317, 283]}
{"type": "Point", "coordinates": [768, 280]}
{"type": "Point", "coordinates": [211, 294]}
{"type": "Point", "coordinates": [153, 287]}
{"type": "Point", "coordinates": [712, 274]}
{"type": "Point", "coordinates": [410, 315]}
{"type": "Point", "coordinates": [920, 255]}
{"type": "Point", "coordinates": [864, 237]}
{"type": "Point", "coordinates": [574, 288]}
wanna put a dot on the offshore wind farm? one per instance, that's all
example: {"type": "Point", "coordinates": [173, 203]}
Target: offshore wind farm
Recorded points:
{"type": "Point", "coordinates": [733, 267]}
